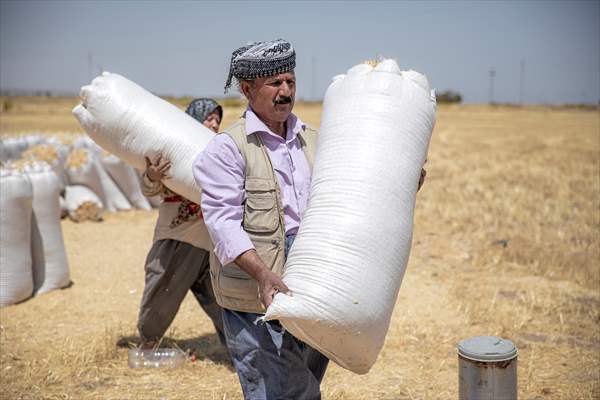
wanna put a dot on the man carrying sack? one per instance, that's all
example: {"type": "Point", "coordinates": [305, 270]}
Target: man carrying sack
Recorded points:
{"type": "Point", "coordinates": [255, 180]}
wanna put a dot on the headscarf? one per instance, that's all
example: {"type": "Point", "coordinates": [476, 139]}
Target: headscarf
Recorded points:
{"type": "Point", "coordinates": [200, 109]}
{"type": "Point", "coordinates": [260, 59]}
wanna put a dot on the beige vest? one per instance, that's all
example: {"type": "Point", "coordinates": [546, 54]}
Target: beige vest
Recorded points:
{"type": "Point", "coordinates": [263, 220]}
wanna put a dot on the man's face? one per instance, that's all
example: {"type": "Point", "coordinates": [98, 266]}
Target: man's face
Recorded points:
{"type": "Point", "coordinates": [272, 98]}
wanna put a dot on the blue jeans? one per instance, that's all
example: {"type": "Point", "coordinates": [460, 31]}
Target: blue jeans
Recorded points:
{"type": "Point", "coordinates": [270, 362]}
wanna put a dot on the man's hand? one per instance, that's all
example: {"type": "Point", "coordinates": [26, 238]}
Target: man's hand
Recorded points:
{"type": "Point", "coordinates": [269, 285]}
{"type": "Point", "coordinates": [422, 178]}
{"type": "Point", "coordinates": [156, 170]}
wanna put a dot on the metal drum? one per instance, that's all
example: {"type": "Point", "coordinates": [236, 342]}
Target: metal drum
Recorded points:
{"type": "Point", "coordinates": [487, 369]}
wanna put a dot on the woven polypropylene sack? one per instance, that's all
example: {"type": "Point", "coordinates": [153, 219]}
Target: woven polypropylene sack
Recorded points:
{"type": "Point", "coordinates": [50, 265]}
{"type": "Point", "coordinates": [126, 178]}
{"type": "Point", "coordinates": [131, 123]}
{"type": "Point", "coordinates": [62, 151]}
{"type": "Point", "coordinates": [64, 211]}
{"type": "Point", "coordinates": [77, 196]}
{"type": "Point", "coordinates": [351, 251]}
{"type": "Point", "coordinates": [155, 201]}
{"type": "Point", "coordinates": [93, 175]}
{"type": "Point", "coordinates": [11, 148]}
{"type": "Point", "coordinates": [16, 274]}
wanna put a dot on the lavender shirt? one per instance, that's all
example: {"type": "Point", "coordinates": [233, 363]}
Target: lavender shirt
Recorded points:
{"type": "Point", "coordinates": [219, 170]}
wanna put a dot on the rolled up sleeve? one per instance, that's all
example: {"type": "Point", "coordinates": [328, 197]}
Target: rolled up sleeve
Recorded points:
{"type": "Point", "coordinates": [219, 171]}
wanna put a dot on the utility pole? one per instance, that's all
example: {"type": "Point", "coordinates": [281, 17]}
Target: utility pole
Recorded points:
{"type": "Point", "coordinates": [521, 82]}
{"type": "Point", "coordinates": [492, 76]}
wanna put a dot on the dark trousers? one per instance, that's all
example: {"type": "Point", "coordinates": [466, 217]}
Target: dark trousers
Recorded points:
{"type": "Point", "coordinates": [172, 268]}
{"type": "Point", "coordinates": [270, 362]}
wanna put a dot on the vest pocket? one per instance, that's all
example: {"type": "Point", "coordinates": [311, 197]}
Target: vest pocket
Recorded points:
{"type": "Point", "coordinates": [236, 283]}
{"type": "Point", "coordinates": [260, 210]}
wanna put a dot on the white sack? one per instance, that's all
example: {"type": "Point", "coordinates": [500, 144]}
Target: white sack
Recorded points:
{"type": "Point", "coordinates": [64, 211]}
{"type": "Point", "coordinates": [62, 150]}
{"type": "Point", "coordinates": [76, 196]}
{"type": "Point", "coordinates": [155, 201]}
{"type": "Point", "coordinates": [131, 123]}
{"type": "Point", "coordinates": [349, 257]}
{"type": "Point", "coordinates": [93, 175]}
{"type": "Point", "coordinates": [58, 167]}
{"type": "Point", "coordinates": [11, 148]}
{"type": "Point", "coordinates": [50, 266]}
{"type": "Point", "coordinates": [16, 275]}
{"type": "Point", "coordinates": [126, 178]}
{"type": "Point", "coordinates": [85, 142]}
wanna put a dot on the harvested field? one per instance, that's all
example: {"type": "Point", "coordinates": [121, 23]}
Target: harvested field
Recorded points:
{"type": "Point", "coordinates": [506, 242]}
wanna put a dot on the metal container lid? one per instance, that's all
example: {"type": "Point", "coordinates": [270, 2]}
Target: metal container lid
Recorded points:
{"type": "Point", "coordinates": [487, 349]}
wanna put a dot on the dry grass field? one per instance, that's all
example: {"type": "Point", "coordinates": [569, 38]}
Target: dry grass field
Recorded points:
{"type": "Point", "coordinates": [506, 243]}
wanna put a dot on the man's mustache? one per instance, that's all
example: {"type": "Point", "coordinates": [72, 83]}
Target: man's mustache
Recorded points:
{"type": "Point", "coordinates": [283, 100]}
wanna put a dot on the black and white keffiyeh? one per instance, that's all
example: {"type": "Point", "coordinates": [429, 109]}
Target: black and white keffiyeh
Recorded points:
{"type": "Point", "coordinates": [260, 59]}
{"type": "Point", "coordinates": [200, 109]}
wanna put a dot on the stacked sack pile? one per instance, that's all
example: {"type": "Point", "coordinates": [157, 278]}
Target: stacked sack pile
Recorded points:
{"type": "Point", "coordinates": [33, 259]}
{"type": "Point", "coordinates": [44, 179]}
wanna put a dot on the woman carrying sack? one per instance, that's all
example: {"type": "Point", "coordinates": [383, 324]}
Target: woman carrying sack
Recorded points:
{"type": "Point", "coordinates": [179, 257]}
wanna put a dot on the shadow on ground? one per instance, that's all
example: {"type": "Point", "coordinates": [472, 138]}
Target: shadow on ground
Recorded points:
{"type": "Point", "coordinates": [202, 347]}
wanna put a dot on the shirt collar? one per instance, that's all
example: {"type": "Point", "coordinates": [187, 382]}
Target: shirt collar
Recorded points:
{"type": "Point", "coordinates": [254, 124]}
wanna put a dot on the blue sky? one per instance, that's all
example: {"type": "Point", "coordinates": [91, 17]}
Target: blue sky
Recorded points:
{"type": "Point", "coordinates": [183, 48]}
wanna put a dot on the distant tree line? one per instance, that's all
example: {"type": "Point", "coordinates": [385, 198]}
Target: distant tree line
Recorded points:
{"type": "Point", "coordinates": [40, 93]}
{"type": "Point", "coordinates": [449, 96]}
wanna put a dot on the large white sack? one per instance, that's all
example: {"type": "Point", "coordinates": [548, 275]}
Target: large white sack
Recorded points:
{"type": "Point", "coordinates": [11, 148]}
{"type": "Point", "coordinates": [349, 257]}
{"type": "Point", "coordinates": [130, 122]}
{"type": "Point", "coordinates": [64, 211]}
{"type": "Point", "coordinates": [50, 266]}
{"type": "Point", "coordinates": [63, 151]}
{"type": "Point", "coordinates": [155, 201]}
{"type": "Point", "coordinates": [126, 178]}
{"type": "Point", "coordinates": [82, 203]}
{"type": "Point", "coordinates": [16, 275]}
{"type": "Point", "coordinates": [115, 199]}
{"type": "Point", "coordinates": [93, 175]}
{"type": "Point", "coordinates": [85, 142]}
{"type": "Point", "coordinates": [52, 152]}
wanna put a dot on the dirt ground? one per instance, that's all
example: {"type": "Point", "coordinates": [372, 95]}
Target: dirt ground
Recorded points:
{"type": "Point", "coordinates": [506, 243]}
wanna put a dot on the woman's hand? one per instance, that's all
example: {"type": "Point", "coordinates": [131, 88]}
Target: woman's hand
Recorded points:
{"type": "Point", "coordinates": [156, 170]}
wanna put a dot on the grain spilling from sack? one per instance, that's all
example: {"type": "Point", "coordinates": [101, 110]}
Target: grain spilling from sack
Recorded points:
{"type": "Point", "coordinates": [83, 204]}
{"type": "Point", "coordinates": [87, 211]}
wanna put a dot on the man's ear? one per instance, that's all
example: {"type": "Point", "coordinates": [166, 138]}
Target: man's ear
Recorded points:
{"type": "Point", "coordinates": [246, 86]}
